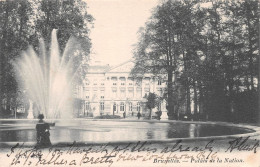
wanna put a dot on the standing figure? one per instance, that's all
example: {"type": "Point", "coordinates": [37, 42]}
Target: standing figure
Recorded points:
{"type": "Point", "coordinates": [43, 134]}
{"type": "Point", "coordinates": [138, 115]}
{"type": "Point", "coordinates": [159, 114]}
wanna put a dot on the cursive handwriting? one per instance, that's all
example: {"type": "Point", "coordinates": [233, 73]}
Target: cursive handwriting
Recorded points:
{"type": "Point", "coordinates": [241, 144]}
{"type": "Point", "coordinates": [107, 154]}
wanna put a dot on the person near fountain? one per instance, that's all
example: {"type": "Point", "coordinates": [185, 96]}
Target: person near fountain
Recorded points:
{"type": "Point", "coordinates": [43, 134]}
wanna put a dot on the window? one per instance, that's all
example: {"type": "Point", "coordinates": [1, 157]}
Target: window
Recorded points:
{"type": "Point", "coordinates": [122, 83]}
{"type": "Point", "coordinates": [102, 84]}
{"type": "Point", "coordinates": [87, 106]}
{"type": "Point", "coordinates": [114, 83]}
{"type": "Point", "coordinates": [159, 82]}
{"type": "Point", "coordinates": [138, 107]}
{"type": "Point", "coordinates": [87, 83]}
{"type": "Point", "coordinates": [122, 106]}
{"type": "Point", "coordinates": [114, 107]}
{"type": "Point", "coordinates": [130, 106]}
{"type": "Point", "coordinates": [130, 81]}
{"type": "Point", "coordinates": [87, 97]}
{"type": "Point", "coordinates": [95, 83]}
{"type": "Point", "coordinates": [94, 94]}
{"type": "Point", "coordinates": [102, 106]}
{"type": "Point", "coordinates": [102, 97]}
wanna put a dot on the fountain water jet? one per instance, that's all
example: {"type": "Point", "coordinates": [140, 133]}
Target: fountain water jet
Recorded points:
{"type": "Point", "coordinates": [48, 80]}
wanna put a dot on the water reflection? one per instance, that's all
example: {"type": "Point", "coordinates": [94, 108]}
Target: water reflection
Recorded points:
{"type": "Point", "coordinates": [105, 131]}
{"type": "Point", "coordinates": [194, 130]}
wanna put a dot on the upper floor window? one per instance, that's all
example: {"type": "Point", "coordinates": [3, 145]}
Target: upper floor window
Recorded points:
{"type": "Point", "coordinates": [87, 106]}
{"type": "Point", "coordinates": [102, 97]}
{"type": "Point", "coordinates": [130, 83]}
{"type": "Point", "coordinates": [102, 84]}
{"type": "Point", "coordinates": [94, 93]}
{"type": "Point", "coordinates": [122, 106]}
{"type": "Point", "coordinates": [87, 97]}
{"type": "Point", "coordinates": [122, 83]}
{"type": "Point", "coordinates": [114, 83]}
{"type": "Point", "coordinates": [159, 82]}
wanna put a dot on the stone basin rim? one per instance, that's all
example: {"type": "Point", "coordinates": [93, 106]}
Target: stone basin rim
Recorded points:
{"type": "Point", "coordinates": [255, 129]}
{"type": "Point", "coordinates": [243, 125]}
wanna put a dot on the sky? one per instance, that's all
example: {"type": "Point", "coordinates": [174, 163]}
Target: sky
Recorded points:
{"type": "Point", "coordinates": [115, 28]}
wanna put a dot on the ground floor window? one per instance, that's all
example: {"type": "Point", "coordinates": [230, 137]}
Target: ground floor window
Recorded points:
{"type": "Point", "coordinates": [87, 106]}
{"type": "Point", "coordinates": [122, 106]}
{"type": "Point", "coordinates": [114, 107]}
{"type": "Point", "coordinates": [102, 106]}
{"type": "Point", "coordinates": [138, 107]}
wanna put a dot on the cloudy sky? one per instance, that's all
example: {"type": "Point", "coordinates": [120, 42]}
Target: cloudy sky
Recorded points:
{"type": "Point", "coordinates": [115, 27]}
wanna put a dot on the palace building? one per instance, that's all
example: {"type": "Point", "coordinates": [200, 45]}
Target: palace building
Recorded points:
{"type": "Point", "coordinates": [113, 91]}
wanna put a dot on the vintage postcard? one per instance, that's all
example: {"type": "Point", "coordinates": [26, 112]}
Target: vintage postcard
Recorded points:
{"type": "Point", "coordinates": [129, 83]}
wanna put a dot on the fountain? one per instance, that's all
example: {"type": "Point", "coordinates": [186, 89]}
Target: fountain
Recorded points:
{"type": "Point", "coordinates": [47, 79]}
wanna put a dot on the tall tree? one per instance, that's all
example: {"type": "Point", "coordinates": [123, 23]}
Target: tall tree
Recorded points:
{"type": "Point", "coordinates": [151, 102]}
{"type": "Point", "coordinates": [211, 49]}
{"type": "Point", "coordinates": [159, 46]}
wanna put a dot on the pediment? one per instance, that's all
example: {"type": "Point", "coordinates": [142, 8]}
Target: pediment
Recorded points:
{"type": "Point", "coordinates": [125, 67]}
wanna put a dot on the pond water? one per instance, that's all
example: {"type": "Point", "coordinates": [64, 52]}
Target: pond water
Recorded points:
{"type": "Point", "coordinates": [107, 131]}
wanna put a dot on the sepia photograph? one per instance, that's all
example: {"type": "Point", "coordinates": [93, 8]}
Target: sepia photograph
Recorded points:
{"type": "Point", "coordinates": [112, 83]}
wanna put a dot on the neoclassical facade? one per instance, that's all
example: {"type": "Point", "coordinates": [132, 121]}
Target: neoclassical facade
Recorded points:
{"type": "Point", "coordinates": [112, 90]}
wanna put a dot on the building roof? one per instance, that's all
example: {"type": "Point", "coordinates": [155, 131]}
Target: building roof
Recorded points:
{"type": "Point", "coordinates": [98, 68]}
